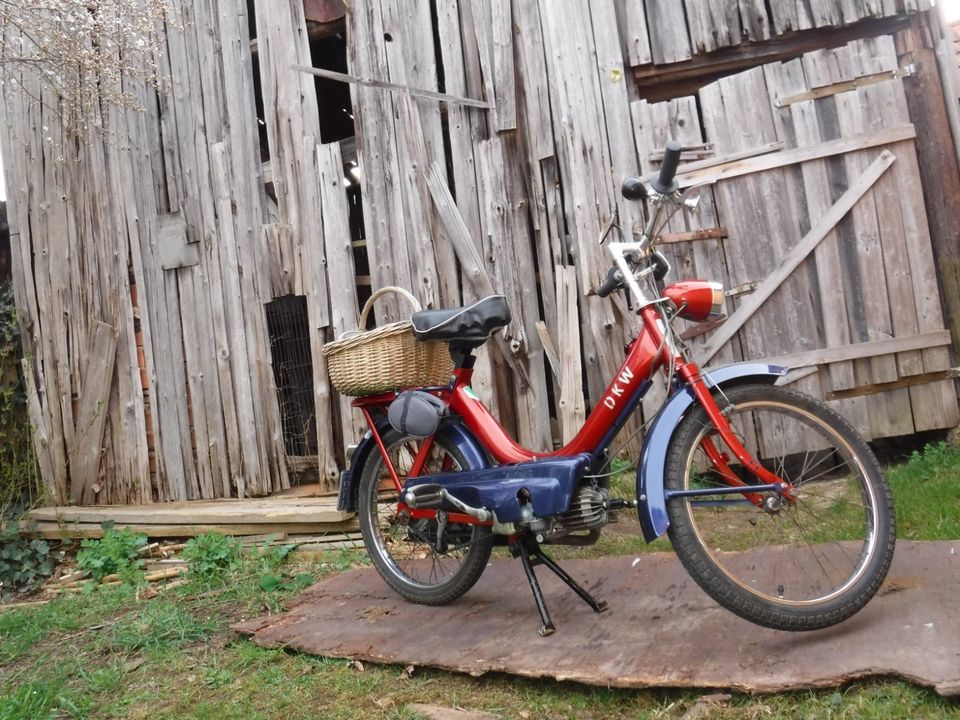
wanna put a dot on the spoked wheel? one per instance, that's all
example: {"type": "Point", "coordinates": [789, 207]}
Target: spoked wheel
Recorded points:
{"type": "Point", "coordinates": [798, 564]}
{"type": "Point", "coordinates": [408, 553]}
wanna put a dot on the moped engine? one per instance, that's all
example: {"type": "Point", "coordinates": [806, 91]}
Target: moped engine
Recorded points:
{"type": "Point", "coordinates": [586, 510]}
{"type": "Point", "coordinates": [580, 525]}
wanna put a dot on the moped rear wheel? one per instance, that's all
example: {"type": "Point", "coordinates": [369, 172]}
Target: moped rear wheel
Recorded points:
{"type": "Point", "coordinates": [420, 565]}
{"type": "Point", "coordinates": [799, 564]}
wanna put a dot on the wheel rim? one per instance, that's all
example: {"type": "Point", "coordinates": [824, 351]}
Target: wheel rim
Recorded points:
{"type": "Point", "coordinates": [806, 552]}
{"type": "Point", "coordinates": [408, 547]}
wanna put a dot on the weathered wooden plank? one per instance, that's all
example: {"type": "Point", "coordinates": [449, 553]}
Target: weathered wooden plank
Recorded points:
{"type": "Point", "coordinates": [125, 464]}
{"type": "Point", "coordinates": [875, 231]}
{"type": "Point", "coordinates": [242, 446]}
{"type": "Point", "coordinates": [857, 190]}
{"type": "Point", "coordinates": [588, 191]}
{"type": "Point", "coordinates": [615, 99]}
{"type": "Point", "coordinates": [86, 448]}
{"type": "Point", "coordinates": [54, 478]}
{"type": "Point", "coordinates": [909, 381]}
{"type": "Point", "coordinates": [570, 406]}
{"type": "Point", "coordinates": [793, 156]}
{"type": "Point", "coordinates": [633, 33]}
{"type": "Point", "coordinates": [504, 74]}
{"type": "Point", "coordinates": [534, 86]}
{"type": "Point", "coordinates": [90, 530]}
{"type": "Point", "coordinates": [249, 512]}
{"type": "Point", "coordinates": [339, 263]}
{"type": "Point", "coordinates": [805, 128]}
{"type": "Point", "coordinates": [377, 156]}
{"type": "Point", "coordinates": [510, 264]}
{"type": "Point", "coordinates": [669, 41]}
{"type": "Point", "coordinates": [763, 230]}
{"type": "Point", "coordinates": [414, 62]}
{"type": "Point", "coordinates": [393, 87]}
{"type": "Point", "coordinates": [421, 230]}
{"type": "Point", "coordinates": [459, 56]}
{"type": "Point", "coordinates": [842, 87]}
{"type": "Point", "coordinates": [873, 348]}
{"type": "Point", "coordinates": [712, 161]}
{"type": "Point", "coordinates": [471, 261]}
{"type": "Point", "coordinates": [754, 20]}
{"type": "Point", "coordinates": [712, 25]}
{"type": "Point", "coordinates": [243, 134]}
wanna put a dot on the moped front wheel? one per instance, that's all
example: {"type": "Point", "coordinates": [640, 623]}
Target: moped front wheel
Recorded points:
{"type": "Point", "coordinates": [799, 563]}
{"type": "Point", "coordinates": [424, 561]}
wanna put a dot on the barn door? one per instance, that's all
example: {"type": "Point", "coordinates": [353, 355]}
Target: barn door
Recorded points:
{"type": "Point", "coordinates": [813, 217]}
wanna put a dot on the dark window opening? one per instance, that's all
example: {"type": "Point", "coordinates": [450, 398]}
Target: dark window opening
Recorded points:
{"type": "Point", "coordinates": [289, 331]}
{"type": "Point", "coordinates": [333, 97]}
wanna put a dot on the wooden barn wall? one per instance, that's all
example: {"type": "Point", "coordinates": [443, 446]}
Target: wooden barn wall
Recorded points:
{"type": "Point", "coordinates": [186, 404]}
{"type": "Point", "coordinates": [191, 378]}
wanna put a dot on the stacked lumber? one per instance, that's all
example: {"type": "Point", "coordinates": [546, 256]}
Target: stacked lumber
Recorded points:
{"type": "Point", "coordinates": [164, 569]}
{"type": "Point", "coordinates": [260, 517]}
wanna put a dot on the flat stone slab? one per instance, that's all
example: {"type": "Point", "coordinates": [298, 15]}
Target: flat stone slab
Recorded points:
{"type": "Point", "coordinates": [661, 630]}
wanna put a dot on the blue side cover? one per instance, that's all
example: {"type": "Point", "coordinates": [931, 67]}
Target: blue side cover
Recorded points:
{"type": "Point", "coordinates": [653, 459]}
{"type": "Point", "coordinates": [549, 482]}
{"type": "Point", "coordinates": [455, 433]}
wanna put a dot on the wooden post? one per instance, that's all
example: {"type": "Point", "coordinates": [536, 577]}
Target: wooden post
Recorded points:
{"type": "Point", "coordinates": [939, 171]}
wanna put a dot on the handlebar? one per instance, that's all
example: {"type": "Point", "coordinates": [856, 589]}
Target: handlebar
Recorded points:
{"type": "Point", "coordinates": [633, 189]}
{"type": "Point", "coordinates": [613, 282]}
{"type": "Point", "coordinates": [665, 188]}
{"type": "Point", "coordinates": [665, 182]}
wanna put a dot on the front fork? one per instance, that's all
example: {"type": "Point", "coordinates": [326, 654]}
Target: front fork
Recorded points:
{"type": "Point", "coordinates": [769, 481]}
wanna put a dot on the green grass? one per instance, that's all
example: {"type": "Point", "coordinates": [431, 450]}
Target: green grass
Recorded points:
{"type": "Point", "coordinates": [106, 654]}
{"type": "Point", "coordinates": [926, 492]}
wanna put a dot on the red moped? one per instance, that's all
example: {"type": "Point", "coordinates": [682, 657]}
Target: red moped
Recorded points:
{"type": "Point", "coordinates": [772, 501]}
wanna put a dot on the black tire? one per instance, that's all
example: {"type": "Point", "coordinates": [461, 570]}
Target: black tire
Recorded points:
{"type": "Point", "coordinates": [806, 564]}
{"type": "Point", "coordinates": [405, 552]}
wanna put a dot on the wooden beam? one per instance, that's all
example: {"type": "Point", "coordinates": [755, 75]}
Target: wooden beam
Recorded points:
{"type": "Point", "coordinates": [762, 163]}
{"type": "Point", "coordinates": [931, 106]}
{"type": "Point", "coordinates": [722, 159]}
{"type": "Point", "coordinates": [858, 188]}
{"type": "Point", "coordinates": [471, 263]}
{"type": "Point", "coordinates": [570, 406]}
{"type": "Point", "coordinates": [855, 351]}
{"type": "Point", "coordinates": [54, 478]}
{"type": "Point", "coordinates": [55, 531]}
{"type": "Point", "coordinates": [549, 349]}
{"type": "Point", "coordinates": [667, 81]}
{"type": "Point", "coordinates": [908, 381]}
{"type": "Point", "coordinates": [846, 86]}
{"type": "Point", "coordinates": [247, 512]}
{"type": "Point", "coordinates": [87, 445]}
{"type": "Point", "coordinates": [393, 87]}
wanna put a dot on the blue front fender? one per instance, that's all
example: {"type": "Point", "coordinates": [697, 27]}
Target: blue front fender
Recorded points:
{"type": "Point", "coordinates": [652, 504]}
{"type": "Point", "coordinates": [457, 434]}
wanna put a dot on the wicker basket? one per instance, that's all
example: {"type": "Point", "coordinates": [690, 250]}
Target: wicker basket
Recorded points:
{"type": "Point", "coordinates": [386, 358]}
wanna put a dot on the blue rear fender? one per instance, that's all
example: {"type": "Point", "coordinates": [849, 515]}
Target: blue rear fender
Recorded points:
{"type": "Point", "coordinates": [349, 494]}
{"type": "Point", "coordinates": [652, 504]}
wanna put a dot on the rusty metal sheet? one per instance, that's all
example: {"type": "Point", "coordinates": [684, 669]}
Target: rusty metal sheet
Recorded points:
{"type": "Point", "coordinates": [661, 630]}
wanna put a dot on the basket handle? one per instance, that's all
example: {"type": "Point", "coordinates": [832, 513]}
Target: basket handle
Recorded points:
{"type": "Point", "coordinates": [368, 305]}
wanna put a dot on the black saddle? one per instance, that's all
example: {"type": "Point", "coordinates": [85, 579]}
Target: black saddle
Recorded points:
{"type": "Point", "coordinates": [475, 322]}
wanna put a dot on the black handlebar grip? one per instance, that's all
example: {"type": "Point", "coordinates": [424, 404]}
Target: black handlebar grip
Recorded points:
{"type": "Point", "coordinates": [664, 183]}
{"type": "Point", "coordinates": [633, 189]}
{"type": "Point", "coordinates": [611, 283]}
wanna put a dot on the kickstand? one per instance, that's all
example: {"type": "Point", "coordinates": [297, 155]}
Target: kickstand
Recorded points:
{"type": "Point", "coordinates": [530, 553]}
